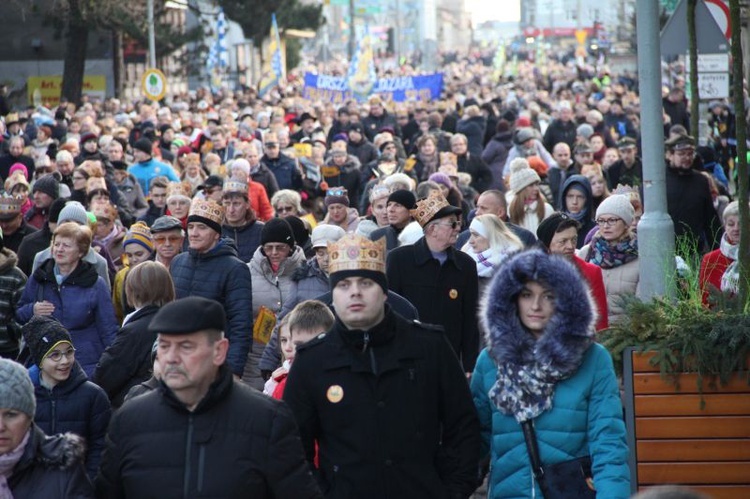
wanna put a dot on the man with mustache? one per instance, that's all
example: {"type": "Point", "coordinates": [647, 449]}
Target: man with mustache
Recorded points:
{"type": "Point", "coordinates": [201, 433]}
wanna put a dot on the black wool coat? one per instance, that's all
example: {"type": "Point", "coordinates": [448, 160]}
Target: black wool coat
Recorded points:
{"type": "Point", "coordinates": [445, 295]}
{"type": "Point", "coordinates": [390, 411]}
{"type": "Point", "coordinates": [236, 443]}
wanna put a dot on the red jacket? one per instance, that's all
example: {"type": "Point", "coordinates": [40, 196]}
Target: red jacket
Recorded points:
{"type": "Point", "coordinates": [259, 202]}
{"type": "Point", "coordinates": [713, 266]}
{"type": "Point", "coordinates": [593, 275]}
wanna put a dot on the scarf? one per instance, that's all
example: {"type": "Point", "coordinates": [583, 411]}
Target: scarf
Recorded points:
{"type": "Point", "coordinates": [608, 256]}
{"type": "Point", "coordinates": [580, 216]}
{"type": "Point", "coordinates": [730, 280]}
{"type": "Point", "coordinates": [430, 165]}
{"type": "Point", "coordinates": [487, 260]}
{"type": "Point", "coordinates": [109, 237]}
{"type": "Point", "coordinates": [8, 461]}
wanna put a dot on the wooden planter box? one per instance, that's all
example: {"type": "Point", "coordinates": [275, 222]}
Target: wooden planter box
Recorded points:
{"type": "Point", "coordinates": [673, 440]}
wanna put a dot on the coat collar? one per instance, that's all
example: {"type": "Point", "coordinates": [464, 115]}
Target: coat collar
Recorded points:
{"type": "Point", "coordinates": [422, 254]}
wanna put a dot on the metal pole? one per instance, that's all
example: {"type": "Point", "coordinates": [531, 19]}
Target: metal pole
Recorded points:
{"type": "Point", "coordinates": [151, 36]}
{"type": "Point", "coordinates": [352, 32]}
{"type": "Point", "coordinates": [397, 34]}
{"type": "Point", "coordinates": [656, 244]}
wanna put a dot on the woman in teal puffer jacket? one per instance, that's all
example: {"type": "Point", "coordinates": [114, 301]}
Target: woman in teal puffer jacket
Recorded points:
{"type": "Point", "coordinates": [542, 364]}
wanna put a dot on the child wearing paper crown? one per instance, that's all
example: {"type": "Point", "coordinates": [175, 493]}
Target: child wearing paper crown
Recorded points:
{"type": "Point", "coordinates": [138, 247]}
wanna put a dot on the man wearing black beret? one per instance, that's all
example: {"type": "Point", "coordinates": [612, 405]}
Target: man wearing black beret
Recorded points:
{"type": "Point", "coordinates": [201, 434]}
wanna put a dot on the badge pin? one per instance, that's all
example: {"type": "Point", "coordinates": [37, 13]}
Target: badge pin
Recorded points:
{"type": "Point", "coordinates": [335, 394]}
{"type": "Point", "coordinates": [453, 293]}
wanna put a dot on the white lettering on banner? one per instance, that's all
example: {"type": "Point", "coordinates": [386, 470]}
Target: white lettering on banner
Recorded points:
{"type": "Point", "coordinates": [394, 84]}
{"type": "Point", "coordinates": [332, 83]}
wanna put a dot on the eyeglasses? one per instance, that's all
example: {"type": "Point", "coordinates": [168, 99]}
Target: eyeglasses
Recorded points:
{"type": "Point", "coordinates": [275, 248]}
{"type": "Point", "coordinates": [284, 209]}
{"type": "Point", "coordinates": [57, 355]}
{"type": "Point", "coordinates": [452, 224]}
{"type": "Point", "coordinates": [164, 239]}
{"type": "Point", "coordinates": [607, 222]}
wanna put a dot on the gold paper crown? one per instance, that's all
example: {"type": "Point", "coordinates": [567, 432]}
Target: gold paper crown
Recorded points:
{"type": "Point", "coordinates": [10, 204]}
{"type": "Point", "coordinates": [628, 191]}
{"type": "Point", "coordinates": [231, 186]}
{"type": "Point", "coordinates": [182, 189]}
{"type": "Point", "coordinates": [207, 208]}
{"type": "Point", "coordinates": [448, 158]}
{"type": "Point", "coordinates": [104, 210]}
{"type": "Point", "coordinates": [428, 207]}
{"type": "Point", "coordinates": [353, 252]}
{"type": "Point", "coordinates": [95, 184]}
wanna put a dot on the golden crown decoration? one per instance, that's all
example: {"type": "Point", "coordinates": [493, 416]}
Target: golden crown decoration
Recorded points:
{"type": "Point", "coordinates": [10, 204]}
{"type": "Point", "coordinates": [428, 207]}
{"type": "Point", "coordinates": [95, 184]}
{"type": "Point", "coordinates": [208, 209]}
{"type": "Point", "coordinates": [235, 186]}
{"type": "Point", "coordinates": [104, 209]}
{"type": "Point", "coordinates": [182, 189]}
{"type": "Point", "coordinates": [353, 252]}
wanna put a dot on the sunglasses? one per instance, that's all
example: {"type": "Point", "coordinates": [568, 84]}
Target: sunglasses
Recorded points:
{"type": "Point", "coordinates": [164, 239]}
{"type": "Point", "coordinates": [336, 192]}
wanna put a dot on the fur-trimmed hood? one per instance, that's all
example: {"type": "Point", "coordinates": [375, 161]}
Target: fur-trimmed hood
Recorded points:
{"type": "Point", "coordinates": [569, 333]}
{"type": "Point", "coordinates": [58, 452]}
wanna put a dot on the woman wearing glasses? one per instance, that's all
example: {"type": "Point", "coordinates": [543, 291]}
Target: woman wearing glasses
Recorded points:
{"type": "Point", "coordinates": [614, 248]}
{"type": "Point", "coordinates": [66, 401]}
{"type": "Point", "coordinates": [68, 289]}
{"type": "Point", "coordinates": [271, 268]}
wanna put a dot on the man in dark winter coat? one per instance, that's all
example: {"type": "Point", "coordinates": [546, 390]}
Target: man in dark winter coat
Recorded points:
{"type": "Point", "coordinates": [359, 146]}
{"type": "Point", "coordinates": [628, 170]}
{"type": "Point", "coordinates": [689, 200]}
{"type": "Point", "coordinates": [212, 270]}
{"type": "Point", "coordinates": [39, 240]}
{"type": "Point", "coordinates": [399, 204]}
{"type": "Point", "coordinates": [240, 224]}
{"type": "Point", "coordinates": [283, 167]}
{"type": "Point", "coordinates": [14, 227]}
{"type": "Point", "coordinates": [378, 119]}
{"type": "Point", "coordinates": [157, 203]}
{"type": "Point", "coordinates": [562, 129]}
{"type": "Point", "coordinates": [496, 153]}
{"type": "Point", "coordinates": [384, 398]}
{"type": "Point", "coordinates": [481, 176]}
{"type": "Point", "coordinates": [494, 203]}
{"type": "Point", "coordinates": [216, 437]}
{"type": "Point", "coordinates": [439, 280]}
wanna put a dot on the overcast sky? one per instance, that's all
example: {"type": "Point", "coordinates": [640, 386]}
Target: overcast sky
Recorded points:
{"type": "Point", "coordinates": [502, 10]}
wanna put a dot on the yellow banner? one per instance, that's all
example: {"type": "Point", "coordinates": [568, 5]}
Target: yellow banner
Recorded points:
{"type": "Point", "coordinates": [45, 90]}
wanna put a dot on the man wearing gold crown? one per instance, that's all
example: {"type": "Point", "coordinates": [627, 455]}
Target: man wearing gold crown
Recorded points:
{"type": "Point", "coordinates": [438, 279]}
{"type": "Point", "coordinates": [211, 269]}
{"type": "Point", "coordinates": [385, 399]}
{"type": "Point", "coordinates": [12, 223]}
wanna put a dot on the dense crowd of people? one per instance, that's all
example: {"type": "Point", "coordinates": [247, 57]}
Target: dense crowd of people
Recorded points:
{"type": "Point", "coordinates": [421, 283]}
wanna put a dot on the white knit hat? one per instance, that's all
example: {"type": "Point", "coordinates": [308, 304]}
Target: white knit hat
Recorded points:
{"type": "Point", "coordinates": [619, 206]}
{"type": "Point", "coordinates": [521, 175]}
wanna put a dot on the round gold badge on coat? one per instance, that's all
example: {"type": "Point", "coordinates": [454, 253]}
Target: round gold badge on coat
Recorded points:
{"type": "Point", "coordinates": [335, 394]}
{"type": "Point", "coordinates": [453, 293]}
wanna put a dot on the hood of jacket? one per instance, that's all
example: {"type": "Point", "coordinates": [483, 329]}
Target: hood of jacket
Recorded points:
{"type": "Point", "coordinates": [568, 334]}
{"type": "Point", "coordinates": [8, 260]}
{"type": "Point", "coordinates": [586, 186]}
{"type": "Point", "coordinates": [503, 137]}
{"type": "Point", "coordinates": [262, 265]}
{"type": "Point", "coordinates": [312, 269]}
{"type": "Point", "coordinates": [58, 452]}
{"type": "Point", "coordinates": [84, 275]}
{"type": "Point", "coordinates": [77, 378]}
{"type": "Point", "coordinates": [224, 247]}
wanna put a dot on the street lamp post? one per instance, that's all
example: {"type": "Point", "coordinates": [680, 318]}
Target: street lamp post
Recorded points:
{"type": "Point", "coordinates": [151, 35]}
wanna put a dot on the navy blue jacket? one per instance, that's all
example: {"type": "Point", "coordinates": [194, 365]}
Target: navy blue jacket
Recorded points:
{"type": "Point", "coordinates": [285, 170]}
{"type": "Point", "coordinates": [219, 275]}
{"type": "Point", "coordinates": [245, 237]}
{"type": "Point", "coordinates": [77, 406]}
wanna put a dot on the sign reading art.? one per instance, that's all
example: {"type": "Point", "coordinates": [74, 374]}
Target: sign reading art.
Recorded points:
{"type": "Point", "coordinates": [406, 88]}
{"type": "Point", "coordinates": [46, 90]}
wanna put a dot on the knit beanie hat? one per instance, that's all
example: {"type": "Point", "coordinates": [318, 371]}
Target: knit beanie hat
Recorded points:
{"type": "Point", "coordinates": [277, 230]}
{"type": "Point", "coordinates": [521, 175]}
{"type": "Point", "coordinates": [139, 233]}
{"type": "Point", "coordinates": [548, 227]}
{"type": "Point", "coordinates": [585, 130]}
{"type": "Point", "coordinates": [337, 196]}
{"type": "Point", "coordinates": [73, 212]}
{"type": "Point", "coordinates": [42, 334]}
{"type": "Point", "coordinates": [442, 179]}
{"type": "Point", "coordinates": [19, 167]}
{"type": "Point", "coordinates": [524, 134]}
{"type": "Point", "coordinates": [299, 230]}
{"type": "Point", "coordinates": [16, 389]}
{"type": "Point", "coordinates": [143, 145]}
{"type": "Point", "coordinates": [55, 209]}
{"type": "Point", "coordinates": [48, 185]}
{"type": "Point", "coordinates": [405, 198]}
{"type": "Point", "coordinates": [619, 206]}
{"type": "Point", "coordinates": [86, 136]}
{"type": "Point", "coordinates": [323, 234]}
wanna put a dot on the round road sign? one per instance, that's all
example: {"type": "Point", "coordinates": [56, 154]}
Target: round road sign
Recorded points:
{"type": "Point", "coordinates": [154, 84]}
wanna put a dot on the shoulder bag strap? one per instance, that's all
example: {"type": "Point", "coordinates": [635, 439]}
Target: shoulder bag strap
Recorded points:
{"type": "Point", "coordinates": [533, 449]}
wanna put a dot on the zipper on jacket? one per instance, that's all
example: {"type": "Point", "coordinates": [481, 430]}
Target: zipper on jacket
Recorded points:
{"type": "Point", "coordinates": [201, 466]}
{"type": "Point", "coordinates": [54, 415]}
{"type": "Point", "coordinates": [366, 342]}
{"type": "Point", "coordinates": [188, 445]}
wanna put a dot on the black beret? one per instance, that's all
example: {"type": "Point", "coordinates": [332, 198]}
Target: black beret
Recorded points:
{"type": "Point", "coordinates": [188, 315]}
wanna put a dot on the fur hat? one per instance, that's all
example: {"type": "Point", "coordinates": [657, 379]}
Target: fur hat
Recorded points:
{"type": "Point", "coordinates": [521, 175]}
{"type": "Point", "coordinates": [42, 334]}
{"type": "Point", "coordinates": [277, 230]}
{"type": "Point", "coordinates": [326, 233]}
{"type": "Point", "coordinates": [188, 315]}
{"type": "Point", "coordinates": [16, 389]}
{"type": "Point", "coordinates": [139, 233]}
{"type": "Point", "coordinates": [619, 206]}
